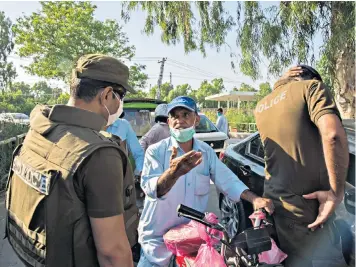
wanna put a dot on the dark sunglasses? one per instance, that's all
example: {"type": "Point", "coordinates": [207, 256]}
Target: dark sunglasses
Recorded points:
{"type": "Point", "coordinates": [121, 91]}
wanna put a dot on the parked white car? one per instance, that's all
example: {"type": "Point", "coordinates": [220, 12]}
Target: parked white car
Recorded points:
{"type": "Point", "coordinates": [207, 132]}
{"type": "Point", "coordinates": [18, 118]}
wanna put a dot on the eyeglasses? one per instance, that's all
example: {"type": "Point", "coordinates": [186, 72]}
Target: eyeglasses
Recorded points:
{"type": "Point", "coordinates": [121, 91]}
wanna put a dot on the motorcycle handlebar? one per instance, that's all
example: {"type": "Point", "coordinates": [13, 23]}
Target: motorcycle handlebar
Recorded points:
{"type": "Point", "coordinates": [184, 210]}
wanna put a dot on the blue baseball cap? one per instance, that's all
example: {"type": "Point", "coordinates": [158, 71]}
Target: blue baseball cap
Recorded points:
{"type": "Point", "coordinates": [183, 102]}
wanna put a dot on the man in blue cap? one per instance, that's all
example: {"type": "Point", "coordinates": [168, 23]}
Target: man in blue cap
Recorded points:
{"type": "Point", "coordinates": [178, 170]}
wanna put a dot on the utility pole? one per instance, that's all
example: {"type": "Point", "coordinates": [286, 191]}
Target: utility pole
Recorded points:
{"type": "Point", "coordinates": [159, 82]}
{"type": "Point", "coordinates": [170, 81]}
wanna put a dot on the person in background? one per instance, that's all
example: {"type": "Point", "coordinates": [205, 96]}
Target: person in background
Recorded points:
{"type": "Point", "coordinates": [122, 128]}
{"type": "Point", "coordinates": [159, 131]}
{"type": "Point", "coordinates": [306, 152]}
{"type": "Point", "coordinates": [221, 122]}
{"type": "Point", "coordinates": [178, 170]}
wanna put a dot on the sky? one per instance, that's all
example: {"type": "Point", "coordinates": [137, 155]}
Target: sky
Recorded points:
{"type": "Point", "coordinates": [149, 49]}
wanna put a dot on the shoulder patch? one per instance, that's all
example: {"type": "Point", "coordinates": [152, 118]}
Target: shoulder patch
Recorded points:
{"type": "Point", "coordinates": [38, 181]}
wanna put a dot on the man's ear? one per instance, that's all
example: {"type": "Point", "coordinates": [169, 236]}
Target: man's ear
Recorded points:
{"type": "Point", "coordinates": [197, 120]}
{"type": "Point", "coordinates": [105, 94]}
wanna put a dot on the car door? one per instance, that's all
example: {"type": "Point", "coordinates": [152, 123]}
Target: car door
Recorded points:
{"type": "Point", "coordinates": [345, 212]}
{"type": "Point", "coordinates": [248, 164]}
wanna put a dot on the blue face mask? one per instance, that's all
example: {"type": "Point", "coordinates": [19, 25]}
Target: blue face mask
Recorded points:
{"type": "Point", "coordinates": [182, 135]}
{"type": "Point", "coordinates": [219, 114]}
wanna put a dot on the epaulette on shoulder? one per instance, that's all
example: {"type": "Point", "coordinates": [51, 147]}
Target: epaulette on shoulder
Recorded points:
{"type": "Point", "coordinates": [110, 136]}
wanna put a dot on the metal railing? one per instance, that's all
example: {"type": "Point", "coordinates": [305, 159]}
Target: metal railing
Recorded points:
{"type": "Point", "coordinates": [243, 127]}
{"type": "Point", "coordinates": [6, 148]}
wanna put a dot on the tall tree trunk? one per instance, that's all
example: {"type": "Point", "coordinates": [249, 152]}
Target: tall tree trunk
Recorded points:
{"type": "Point", "coordinates": [345, 82]}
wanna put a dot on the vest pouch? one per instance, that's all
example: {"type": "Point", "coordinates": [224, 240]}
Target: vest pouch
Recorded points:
{"type": "Point", "coordinates": [26, 221]}
{"type": "Point", "coordinates": [128, 194]}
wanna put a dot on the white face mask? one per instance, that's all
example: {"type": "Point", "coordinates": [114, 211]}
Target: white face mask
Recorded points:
{"type": "Point", "coordinates": [113, 117]}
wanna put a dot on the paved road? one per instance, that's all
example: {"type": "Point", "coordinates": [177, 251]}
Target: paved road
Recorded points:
{"type": "Point", "coordinates": [9, 259]}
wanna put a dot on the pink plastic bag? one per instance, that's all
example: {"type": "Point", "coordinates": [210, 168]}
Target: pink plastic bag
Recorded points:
{"type": "Point", "coordinates": [183, 240]}
{"type": "Point", "coordinates": [208, 256]}
{"type": "Point", "coordinates": [186, 239]}
{"type": "Point", "coordinates": [274, 255]}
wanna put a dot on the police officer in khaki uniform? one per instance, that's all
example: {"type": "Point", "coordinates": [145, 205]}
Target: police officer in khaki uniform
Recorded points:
{"type": "Point", "coordinates": [71, 195]}
{"type": "Point", "coordinates": [306, 154]}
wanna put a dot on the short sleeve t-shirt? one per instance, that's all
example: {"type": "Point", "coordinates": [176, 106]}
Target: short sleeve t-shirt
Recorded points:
{"type": "Point", "coordinates": [99, 183]}
{"type": "Point", "coordinates": [295, 165]}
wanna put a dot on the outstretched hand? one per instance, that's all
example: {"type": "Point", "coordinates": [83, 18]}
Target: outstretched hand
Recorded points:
{"type": "Point", "coordinates": [184, 164]}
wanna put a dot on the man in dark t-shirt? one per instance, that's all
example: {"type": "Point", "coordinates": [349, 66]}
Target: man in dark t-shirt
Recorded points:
{"type": "Point", "coordinates": [306, 156]}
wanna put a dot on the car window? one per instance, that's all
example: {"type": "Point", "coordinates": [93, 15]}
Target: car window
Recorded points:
{"type": "Point", "coordinates": [256, 148]}
{"type": "Point", "coordinates": [141, 120]}
{"type": "Point", "coordinates": [240, 149]}
{"type": "Point", "coordinates": [205, 125]}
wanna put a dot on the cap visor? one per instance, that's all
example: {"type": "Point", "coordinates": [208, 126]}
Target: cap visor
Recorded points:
{"type": "Point", "coordinates": [179, 106]}
{"type": "Point", "coordinates": [129, 88]}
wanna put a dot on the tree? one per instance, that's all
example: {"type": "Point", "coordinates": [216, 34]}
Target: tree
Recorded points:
{"type": "Point", "coordinates": [41, 89]}
{"type": "Point", "coordinates": [206, 89]}
{"type": "Point", "coordinates": [177, 22]}
{"type": "Point", "coordinates": [58, 34]}
{"type": "Point", "coordinates": [21, 86]}
{"type": "Point", "coordinates": [7, 69]}
{"type": "Point", "coordinates": [282, 33]}
{"type": "Point", "coordinates": [246, 88]}
{"type": "Point", "coordinates": [180, 90]}
{"type": "Point", "coordinates": [264, 90]}
{"type": "Point", "coordinates": [138, 79]}
{"type": "Point", "coordinates": [165, 88]}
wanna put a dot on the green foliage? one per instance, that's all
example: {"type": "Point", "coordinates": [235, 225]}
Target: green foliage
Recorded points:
{"type": "Point", "coordinates": [324, 69]}
{"type": "Point", "coordinates": [233, 115]}
{"type": "Point", "coordinates": [245, 88]}
{"type": "Point", "coordinates": [139, 94]}
{"type": "Point", "coordinates": [177, 21]}
{"type": "Point", "coordinates": [61, 32]}
{"type": "Point", "coordinates": [264, 90]}
{"type": "Point", "coordinates": [206, 88]}
{"type": "Point", "coordinates": [22, 98]}
{"type": "Point", "coordinates": [8, 130]}
{"type": "Point", "coordinates": [7, 69]}
{"type": "Point", "coordinates": [165, 88]}
{"type": "Point", "coordinates": [16, 102]}
{"type": "Point", "coordinates": [138, 79]}
{"type": "Point", "coordinates": [21, 86]}
{"type": "Point", "coordinates": [180, 90]}
{"type": "Point", "coordinates": [282, 33]}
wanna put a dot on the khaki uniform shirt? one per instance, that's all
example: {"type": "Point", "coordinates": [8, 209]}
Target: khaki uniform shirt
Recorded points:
{"type": "Point", "coordinates": [295, 165]}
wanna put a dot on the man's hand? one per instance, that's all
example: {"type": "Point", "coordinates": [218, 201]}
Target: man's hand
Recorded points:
{"type": "Point", "coordinates": [265, 203]}
{"type": "Point", "coordinates": [177, 168]}
{"type": "Point", "coordinates": [184, 164]}
{"type": "Point", "coordinates": [327, 205]}
{"type": "Point", "coordinates": [293, 72]}
{"type": "Point", "coordinates": [258, 202]}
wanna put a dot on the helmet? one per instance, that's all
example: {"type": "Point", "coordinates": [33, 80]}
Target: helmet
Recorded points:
{"type": "Point", "coordinates": [161, 111]}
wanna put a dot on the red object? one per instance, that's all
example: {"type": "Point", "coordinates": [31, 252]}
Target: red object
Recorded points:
{"type": "Point", "coordinates": [185, 240]}
{"type": "Point", "coordinates": [222, 154]}
{"type": "Point", "coordinates": [180, 260]}
{"type": "Point", "coordinates": [208, 256]}
{"type": "Point", "coordinates": [274, 255]}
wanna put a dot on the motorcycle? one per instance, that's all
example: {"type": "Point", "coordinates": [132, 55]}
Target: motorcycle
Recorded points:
{"type": "Point", "coordinates": [240, 251]}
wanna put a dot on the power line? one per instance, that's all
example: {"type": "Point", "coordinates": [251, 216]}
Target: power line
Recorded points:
{"type": "Point", "coordinates": [198, 70]}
